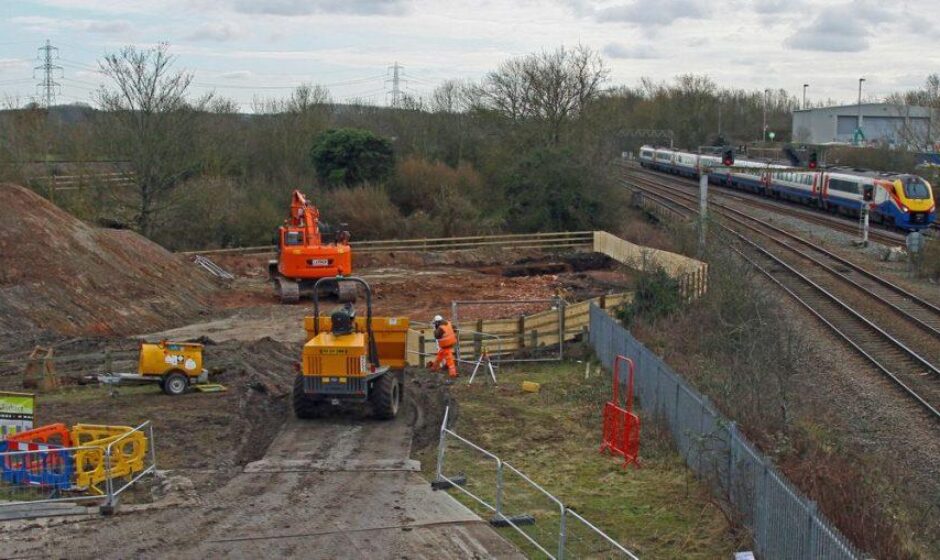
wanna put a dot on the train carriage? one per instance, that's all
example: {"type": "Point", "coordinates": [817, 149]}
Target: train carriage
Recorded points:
{"type": "Point", "coordinates": [902, 201]}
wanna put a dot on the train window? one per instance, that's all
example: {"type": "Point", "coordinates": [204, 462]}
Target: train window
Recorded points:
{"type": "Point", "coordinates": [914, 187]}
{"type": "Point", "coordinates": [843, 186]}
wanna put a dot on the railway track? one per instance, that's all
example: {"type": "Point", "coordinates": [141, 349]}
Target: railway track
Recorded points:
{"type": "Point", "coordinates": [839, 223]}
{"type": "Point", "coordinates": [857, 304]}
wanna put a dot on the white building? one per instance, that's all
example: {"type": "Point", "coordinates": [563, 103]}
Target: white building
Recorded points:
{"type": "Point", "coordinates": [881, 123]}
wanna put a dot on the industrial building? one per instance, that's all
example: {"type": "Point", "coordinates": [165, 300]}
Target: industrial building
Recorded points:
{"type": "Point", "coordinates": [881, 124]}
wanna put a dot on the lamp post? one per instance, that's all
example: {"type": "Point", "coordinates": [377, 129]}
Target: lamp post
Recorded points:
{"type": "Point", "coordinates": [804, 95]}
{"type": "Point", "coordinates": [764, 131]}
{"type": "Point", "coordinates": [858, 131]}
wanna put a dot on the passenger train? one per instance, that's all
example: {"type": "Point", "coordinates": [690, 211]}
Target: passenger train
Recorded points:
{"type": "Point", "coordinates": [902, 201]}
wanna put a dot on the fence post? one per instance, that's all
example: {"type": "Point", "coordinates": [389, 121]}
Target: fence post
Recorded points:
{"type": "Point", "coordinates": [562, 533]}
{"type": "Point", "coordinates": [810, 529]}
{"type": "Point", "coordinates": [732, 445]}
{"type": "Point", "coordinates": [109, 506]}
{"type": "Point", "coordinates": [763, 514]}
{"type": "Point", "coordinates": [561, 327]}
{"type": "Point", "coordinates": [440, 446]}
{"type": "Point", "coordinates": [521, 330]}
{"type": "Point", "coordinates": [421, 348]}
{"type": "Point", "coordinates": [499, 490]}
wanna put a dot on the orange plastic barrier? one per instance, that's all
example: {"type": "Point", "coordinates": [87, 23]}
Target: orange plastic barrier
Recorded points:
{"type": "Point", "coordinates": [621, 426]}
{"type": "Point", "coordinates": [56, 434]}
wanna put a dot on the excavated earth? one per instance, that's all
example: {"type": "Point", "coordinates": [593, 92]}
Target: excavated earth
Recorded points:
{"type": "Point", "coordinates": [58, 273]}
{"type": "Point", "coordinates": [239, 476]}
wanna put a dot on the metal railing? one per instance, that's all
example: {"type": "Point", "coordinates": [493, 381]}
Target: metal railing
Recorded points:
{"type": "Point", "coordinates": [501, 489]}
{"type": "Point", "coordinates": [784, 523]}
{"type": "Point", "coordinates": [47, 475]}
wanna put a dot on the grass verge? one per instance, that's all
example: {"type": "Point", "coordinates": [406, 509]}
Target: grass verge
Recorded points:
{"type": "Point", "coordinates": [553, 437]}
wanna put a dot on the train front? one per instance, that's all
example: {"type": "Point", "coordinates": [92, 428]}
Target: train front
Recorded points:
{"type": "Point", "coordinates": [917, 202]}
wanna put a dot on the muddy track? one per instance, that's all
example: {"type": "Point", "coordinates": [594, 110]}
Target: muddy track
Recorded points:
{"type": "Point", "coordinates": [339, 487]}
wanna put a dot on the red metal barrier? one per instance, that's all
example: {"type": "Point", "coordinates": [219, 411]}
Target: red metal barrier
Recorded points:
{"type": "Point", "coordinates": [621, 425]}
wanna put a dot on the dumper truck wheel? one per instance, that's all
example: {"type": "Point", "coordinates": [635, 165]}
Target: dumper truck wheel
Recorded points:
{"type": "Point", "coordinates": [305, 406]}
{"type": "Point", "coordinates": [175, 383]}
{"type": "Point", "coordinates": [386, 397]}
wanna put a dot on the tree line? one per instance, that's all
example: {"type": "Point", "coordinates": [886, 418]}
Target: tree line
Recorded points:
{"type": "Point", "coordinates": [529, 147]}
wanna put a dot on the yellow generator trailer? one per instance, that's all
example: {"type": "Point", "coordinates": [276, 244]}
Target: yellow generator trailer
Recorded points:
{"type": "Point", "coordinates": [352, 359]}
{"type": "Point", "coordinates": [175, 366]}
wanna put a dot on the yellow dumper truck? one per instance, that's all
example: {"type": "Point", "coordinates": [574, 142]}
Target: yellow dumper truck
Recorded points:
{"type": "Point", "coordinates": [351, 359]}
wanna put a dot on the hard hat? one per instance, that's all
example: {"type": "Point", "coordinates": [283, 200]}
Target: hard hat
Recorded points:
{"type": "Point", "coordinates": [438, 319]}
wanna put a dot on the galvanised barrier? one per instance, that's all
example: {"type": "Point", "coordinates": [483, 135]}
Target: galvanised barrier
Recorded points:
{"type": "Point", "coordinates": [517, 501]}
{"type": "Point", "coordinates": [95, 469]}
{"type": "Point", "coordinates": [784, 523]}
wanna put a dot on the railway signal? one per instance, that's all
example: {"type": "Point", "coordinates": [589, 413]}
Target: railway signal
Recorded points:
{"type": "Point", "coordinates": [727, 157]}
{"type": "Point", "coordinates": [813, 160]}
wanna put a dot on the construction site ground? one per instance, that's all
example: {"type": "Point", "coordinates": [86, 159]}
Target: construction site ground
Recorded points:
{"type": "Point", "coordinates": [239, 476]}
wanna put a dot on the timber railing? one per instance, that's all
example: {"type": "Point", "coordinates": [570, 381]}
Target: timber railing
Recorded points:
{"type": "Point", "coordinates": [515, 241]}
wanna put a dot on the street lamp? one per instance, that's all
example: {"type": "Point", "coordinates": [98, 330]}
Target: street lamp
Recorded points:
{"type": "Point", "coordinates": [804, 95]}
{"type": "Point", "coordinates": [858, 130]}
{"type": "Point", "coordinates": [764, 133]}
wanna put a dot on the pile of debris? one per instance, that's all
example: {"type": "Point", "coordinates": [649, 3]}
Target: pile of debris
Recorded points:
{"type": "Point", "coordinates": [60, 274]}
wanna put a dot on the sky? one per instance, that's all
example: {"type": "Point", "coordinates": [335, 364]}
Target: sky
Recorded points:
{"type": "Point", "coordinates": [254, 49]}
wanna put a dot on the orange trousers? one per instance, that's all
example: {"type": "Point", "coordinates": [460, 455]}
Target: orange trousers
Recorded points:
{"type": "Point", "coordinates": [446, 355]}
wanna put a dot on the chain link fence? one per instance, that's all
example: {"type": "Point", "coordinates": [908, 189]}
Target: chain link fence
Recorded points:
{"type": "Point", "coordinates": [784, 523]}
{"type": "Point", "coordinates": [513, 500]}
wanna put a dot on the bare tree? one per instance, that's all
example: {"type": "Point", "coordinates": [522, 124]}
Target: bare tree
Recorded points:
{"type": "Point", "coordinates": [551, 88]}
{"type": "Point", "coordinates": [148, 120]}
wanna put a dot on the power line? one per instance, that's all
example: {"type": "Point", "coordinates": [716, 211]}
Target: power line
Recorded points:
{"type": "Point", "coordinates": [48, 86]}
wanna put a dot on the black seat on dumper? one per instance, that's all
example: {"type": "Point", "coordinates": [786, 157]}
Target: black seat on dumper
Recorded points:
{"type": "Point", "coordinates": [344, 320]}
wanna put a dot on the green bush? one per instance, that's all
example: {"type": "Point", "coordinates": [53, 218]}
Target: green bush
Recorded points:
{"type": "Point", "coordinates": [551, 190]}
{"type": "Point", "coordinates": [656, 295]}
{"type": "Point", "coordinates": [350, 156]}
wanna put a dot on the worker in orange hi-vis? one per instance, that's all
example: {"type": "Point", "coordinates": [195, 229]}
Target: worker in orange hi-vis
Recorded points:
{"type": "Point", "coordinates": [446, 340]}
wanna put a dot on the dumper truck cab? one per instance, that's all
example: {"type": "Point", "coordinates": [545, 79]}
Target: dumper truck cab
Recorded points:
{"type": "Point", "coordinates": [350, 358]}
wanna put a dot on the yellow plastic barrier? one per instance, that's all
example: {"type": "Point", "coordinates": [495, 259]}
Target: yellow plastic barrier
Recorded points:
{"type": "Point", "coordinates": [127, 454]}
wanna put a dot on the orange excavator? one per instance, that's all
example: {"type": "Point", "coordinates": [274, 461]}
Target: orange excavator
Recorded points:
{"type": "Point", "coordinates": [303, 257]}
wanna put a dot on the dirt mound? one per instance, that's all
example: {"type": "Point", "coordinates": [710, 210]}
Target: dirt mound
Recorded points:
{"type": "Point", "coordinates": [61, 274]}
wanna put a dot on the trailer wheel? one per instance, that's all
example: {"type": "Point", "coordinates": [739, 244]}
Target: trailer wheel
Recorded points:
{"type": "Point", "coordinates": [175, 383]}
{"type": "Point", "coordinates": [305, 406]}
{"type": "Point", "coordinates": [386, 397]}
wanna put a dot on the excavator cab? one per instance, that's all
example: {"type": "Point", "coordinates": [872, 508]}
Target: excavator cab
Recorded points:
{"type": "Point", "coordinates": [352, 359]}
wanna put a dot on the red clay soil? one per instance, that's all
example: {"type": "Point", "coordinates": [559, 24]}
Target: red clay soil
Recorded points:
{"type": "Point", "coordinates": [61, 274]}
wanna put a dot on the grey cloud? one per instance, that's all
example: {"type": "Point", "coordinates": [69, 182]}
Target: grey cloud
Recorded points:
{"type": "Point", "coordinates": [653, 12]}
{"type": "Point", "coordinates": [308, 7]}
{"type": "Point", "coordinates": [217, 31]}
{"type": "Point", "coordinates": [772, 7]}
{"type": "Point", "coordinates": [636, 52]}
{"type": "Point", "coordinates": [107, 27]}
{"type": "Point", "coordinates": [841, 28]}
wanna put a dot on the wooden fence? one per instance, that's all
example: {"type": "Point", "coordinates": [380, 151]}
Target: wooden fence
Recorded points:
{"type": "Point", "coordinates": [516, 241]}
{"type": "Point", "coordinates": [537, 331]}
{"type": "Point", "coordinates": [691, 274]}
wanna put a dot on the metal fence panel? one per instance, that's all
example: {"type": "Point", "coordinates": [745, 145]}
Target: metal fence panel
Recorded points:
{"type": "Point", "coordinates": [783, 522]}
{"type": "Point", "coordinates": [516, 501]}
